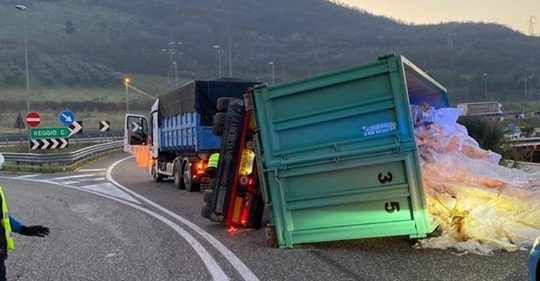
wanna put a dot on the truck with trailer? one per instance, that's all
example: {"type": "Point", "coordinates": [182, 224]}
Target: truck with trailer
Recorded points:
{"type": "Point", "coordinates": [178, 138]}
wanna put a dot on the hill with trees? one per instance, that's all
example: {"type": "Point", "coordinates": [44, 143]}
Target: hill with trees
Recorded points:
{"type": "Point", "coordinates": [92, 43]}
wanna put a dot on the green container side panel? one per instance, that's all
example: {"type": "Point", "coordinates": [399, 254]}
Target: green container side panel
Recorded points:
{"type": "Point", "coordinates": [349, 232]}
{"type": "Point", "coordinates": [358, 213]}
{"type": "Point", "coordinates": [345, 180]}
{"type": "Point", "coordinates": [339, 158]}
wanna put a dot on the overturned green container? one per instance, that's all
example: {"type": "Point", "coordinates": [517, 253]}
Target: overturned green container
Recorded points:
{"type": "Point", "coordinates": [338, 154]}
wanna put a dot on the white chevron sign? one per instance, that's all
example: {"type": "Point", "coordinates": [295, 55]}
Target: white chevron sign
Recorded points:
{"type": "Point", "coordinates": [104, 126]}
{"type": "Point", "coordinates": [49, 143]}
{"type": "Point", "coordinates": [75, 128]}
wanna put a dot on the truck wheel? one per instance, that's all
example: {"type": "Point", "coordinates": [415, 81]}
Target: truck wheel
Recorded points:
{"type": "Point", "coordinates": [188, 182]}
{"type": "Point", "coordinates": [208, 195]}
{"type": "Point", "coordinates": [223, 104]}
{"type": "Point", "coordinates": [177, 175]}
{"type": "Point", "coordinates": [206, 211]}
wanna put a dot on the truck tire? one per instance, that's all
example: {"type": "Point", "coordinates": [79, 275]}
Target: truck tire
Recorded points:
{"type": "Point", "coordinates": [223, 104]}
{"type": "Point", "coordinates": [188, 182]}
{"type": "Point", "coordinates": [208, 195]}
{"type": "Point", "coordinates": [177, 175]}
{"type": "Point", "coordinates": [206, 211]}
{"type": "Point", "coordinates": [217, 129]}
{"type": "Point", "coordinates": [218, 122]}
{"type": "Point", "coordinates": [219, 118]}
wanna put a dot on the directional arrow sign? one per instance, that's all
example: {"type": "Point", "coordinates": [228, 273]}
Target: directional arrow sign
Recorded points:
{"type": "Point", "coordinates": [75, 128]}
{"type": "Point", "coordinates": [66, 117]}
{"type": "Point", "coordinates": [49, 133]}
{"type": "Point", "coordinates": [48, 143]}
{"type": "Point", "coordinates": [104, 126]}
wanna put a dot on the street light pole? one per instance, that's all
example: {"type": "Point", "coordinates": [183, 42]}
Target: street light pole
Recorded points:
{"type": "Point", "coordinates": [175, 75]}
{"type": "Point", "coordinates": [23, 9]}
{"type": "Point", "coordinates": [273, 73]}
{"type": "Point", "coordinates": [485, 86]}
{"type": "Point", "coordinates": [218, 47]}
{"type": "Point", "coordinates": [126, 83]}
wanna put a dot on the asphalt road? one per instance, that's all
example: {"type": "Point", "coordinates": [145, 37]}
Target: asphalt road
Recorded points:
{"type": "Point", "coordinates": [152, 231]}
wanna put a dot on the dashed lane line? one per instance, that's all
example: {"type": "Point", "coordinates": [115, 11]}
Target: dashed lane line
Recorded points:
{"type": "Point", "coordinates": [76, 177]}
{"type": "Point", "coordinates": [29, 176]}
{"type": "Point", "coordinates": [91, 170]}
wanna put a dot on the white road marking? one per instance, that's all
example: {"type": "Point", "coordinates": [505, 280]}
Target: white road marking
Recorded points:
{"type": "Point", "coordinates": [29, 176]}
{"type": "Point", "coordinates": [210, 263]}
{"type": "Point", "coordinates": [93, 179]}
{"type": "Point", "coordinates": [77, 176]}
{"type": "Point", "coordinates": [110, 189]}
{"type": "Point", "coordinates": [84, 180]}
{"type": "Point", "coordinates": [91, 170]}
{"type": "Point", "coordinates": [242, 269]}
{"type": "Point", "coordinates": [69, 182]}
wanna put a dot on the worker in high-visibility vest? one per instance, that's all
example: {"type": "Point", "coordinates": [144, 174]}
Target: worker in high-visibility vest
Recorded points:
{"type": "Point", "coordinates": [212, 165]}
{"type": "Point", "coordinates": [10, 224]}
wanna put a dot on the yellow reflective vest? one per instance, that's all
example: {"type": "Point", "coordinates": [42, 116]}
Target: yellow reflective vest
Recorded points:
{"type": "Point", "coordinates": [213, 160]}
{"type": "Point", "coordinates": [5, 221]}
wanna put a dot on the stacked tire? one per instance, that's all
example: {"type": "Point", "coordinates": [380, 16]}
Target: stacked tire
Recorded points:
{"type": "Point", "coordinates": [218, 123]}
{"type": "Point", "coordinates": [218, 120]}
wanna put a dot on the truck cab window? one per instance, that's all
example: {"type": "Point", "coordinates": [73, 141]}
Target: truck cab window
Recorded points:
{"type": "Point", "coordinates": [137, 130]}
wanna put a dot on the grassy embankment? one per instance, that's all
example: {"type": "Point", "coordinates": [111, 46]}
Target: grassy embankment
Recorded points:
{"type": "Point", "coordinates": [89, 104]}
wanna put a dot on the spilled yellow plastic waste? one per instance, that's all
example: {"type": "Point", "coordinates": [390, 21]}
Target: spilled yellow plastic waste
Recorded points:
{"type": "Point", "coordinates": [480, 205]}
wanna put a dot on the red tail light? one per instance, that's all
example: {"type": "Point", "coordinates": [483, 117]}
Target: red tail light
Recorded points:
{"type": "Point", "coordinates": [200, 167]}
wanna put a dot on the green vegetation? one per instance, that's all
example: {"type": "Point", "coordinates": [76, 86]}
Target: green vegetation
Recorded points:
{"type": "Point", "coordinates": [488, 134]}
{"type": "Point", "coordinates": [94, 43]}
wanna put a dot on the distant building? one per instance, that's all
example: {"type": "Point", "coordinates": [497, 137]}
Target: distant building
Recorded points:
{"type": "Point", "coordinates": [481, 108]}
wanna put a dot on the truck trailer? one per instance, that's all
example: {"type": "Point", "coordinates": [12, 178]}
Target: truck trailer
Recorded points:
{"type": "Point", "coordinates": [179, 138]}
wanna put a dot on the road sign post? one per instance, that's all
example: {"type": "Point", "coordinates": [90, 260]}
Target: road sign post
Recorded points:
{"type": "Point", "coordinates": [19, 124]}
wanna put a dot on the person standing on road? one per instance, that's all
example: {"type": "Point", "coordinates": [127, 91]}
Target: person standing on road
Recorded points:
{"type": "Point", "coordinates": [9, 224]}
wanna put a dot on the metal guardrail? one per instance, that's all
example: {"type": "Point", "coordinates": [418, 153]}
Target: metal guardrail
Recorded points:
{"type": "Point", "coordinates": [64, 159]}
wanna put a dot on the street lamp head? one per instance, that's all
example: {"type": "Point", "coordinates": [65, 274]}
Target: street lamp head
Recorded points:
{"type": "Point", "coordinates": [20, 7]}
{"type": "Point", "coordinates": [271, 63]}
{"type": "Point", "coordinates": [216, 46]}
{"type": "Point", "coordinates": [126, 81]}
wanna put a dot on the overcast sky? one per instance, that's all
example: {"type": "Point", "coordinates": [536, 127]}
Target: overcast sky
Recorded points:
{"type": "Point", "coordinates": [514, 14]}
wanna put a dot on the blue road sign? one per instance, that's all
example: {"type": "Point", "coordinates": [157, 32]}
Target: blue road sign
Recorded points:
{"type": "Point", "coordinates": [66, 117]}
